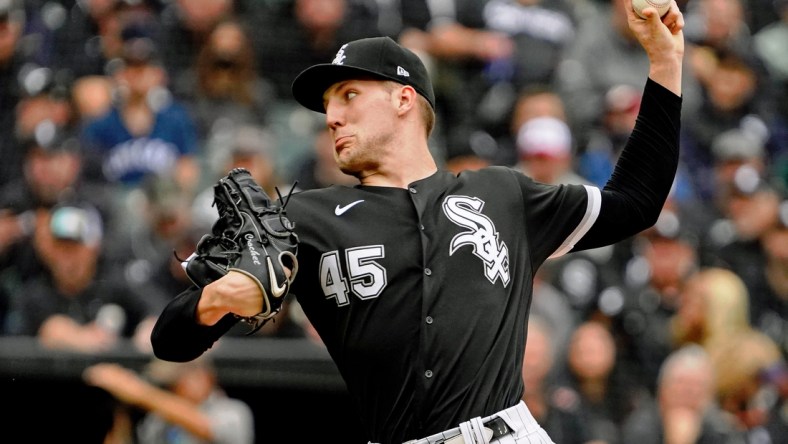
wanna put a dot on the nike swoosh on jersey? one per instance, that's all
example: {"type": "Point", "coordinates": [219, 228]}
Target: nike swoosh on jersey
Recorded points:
{"type": "Point", "coordinates": [341, 210]}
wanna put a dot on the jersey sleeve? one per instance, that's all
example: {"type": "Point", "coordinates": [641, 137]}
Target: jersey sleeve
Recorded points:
{"type": "Point", "coordinates": [178, 337]}
{"type": "Point", "coordinates": [640, 184]}
{"type": "Point", "coordinates": [556, 216]}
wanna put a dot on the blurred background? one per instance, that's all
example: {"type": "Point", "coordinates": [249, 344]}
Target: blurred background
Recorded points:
{"type": "Point", "coordinates": [118, 116]}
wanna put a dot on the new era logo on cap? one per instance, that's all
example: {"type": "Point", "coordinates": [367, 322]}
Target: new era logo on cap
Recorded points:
{"type": "Point", "coordinates": [379, 57]}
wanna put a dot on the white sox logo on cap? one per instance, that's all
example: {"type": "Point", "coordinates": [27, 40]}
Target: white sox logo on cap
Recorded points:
{"type": "Point", "coordinates": [374, 57]}
{"type": "Point", "coordinates": [340, 57]}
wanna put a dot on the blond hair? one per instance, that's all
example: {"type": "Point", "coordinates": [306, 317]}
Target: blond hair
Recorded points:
{"type": "Point", "coordinates": [740, 360]}
{"type": "Point", "coordinates": [727, 303]}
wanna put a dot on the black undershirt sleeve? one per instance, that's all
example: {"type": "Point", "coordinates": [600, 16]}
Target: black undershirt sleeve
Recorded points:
{"type": "Point", "coordinates": [634, 195]}
{"type": "Point", "coordinates": [178, 337]}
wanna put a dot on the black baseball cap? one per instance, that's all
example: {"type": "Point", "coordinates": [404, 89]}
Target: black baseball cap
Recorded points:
{"type": "Point", "coordinates": [379, 57]}
{"type": "Point", "coordinates": [140, 39]}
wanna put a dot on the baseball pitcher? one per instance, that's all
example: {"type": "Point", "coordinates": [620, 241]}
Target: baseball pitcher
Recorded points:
{"type": "Point", "coordinates": [419, 281]}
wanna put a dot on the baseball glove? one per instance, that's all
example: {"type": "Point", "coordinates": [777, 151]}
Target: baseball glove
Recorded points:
{"type": "Point", "coordinates": [253, 236]}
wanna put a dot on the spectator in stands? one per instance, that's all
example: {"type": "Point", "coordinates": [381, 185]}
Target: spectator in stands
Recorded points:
{"type": "Point", "coordinates": [745, 389]}
{"type": "Point", "coordinates": [604, 54]}
{"type": "Point", "coordinates": [757, 257]}
{"type": "Point", "coordinates": [719, 25]}
{"type": "Point", "coordinates": [90, 39]}
{"type": "Point", "coordinates": [146, 131]}
{"type": "Point", "coordinates": [751, 387]}
{"type": "Point", "coordinates": [714, 307]}
{"type": "Point", "coordinates": [684, 410]}
{"type": "Point", "coordinates": [536, 101]}
{"type": "Point", "coordinates": [771, 315]}
{"type": "Point", "coordinates": [546, 151]}
{"type": "Point", "coordinates": [768, 44]}
{"type": "Point", "coordinates": [774, 378]}
{"type": "Point", "coordinates": [147, 252]}
{"type": "Point", "coordinates": [187, 28]}
{"type": "Point", "coordinates": [91, 96]}
{"type": "Point", "coordinates": [180, 402]}
{"type": "Point", "coordinates": [42, 19]}
{"type": "Point", "coordinates": [51, 172]}
{"type": "Point", "coordinates": [662, 259]}
{"type": "Point", "coordinates": [732, 149]}
{"type": "Point", "coordinates": [721, 38]}
{"type": "Point", "coordinates": [223, 87]}
{"type": "Point", "coordinates": [69, 178]}
{"type": "Point", "coordinates": [541, 31]}
{"type": "Point", "coordinates": [608, 392]}
{"type": "Point", "coordinates": [533, 101]}
{"type": "Point", "coordinates": [606, 138]}
{"type": "Point", "coordinates": [40, 98]}
{"type": "Point", "coordinates": [555, 408]}
{"type": "Point", "coordinates": [292, 36]}
{"type": "Point", "coordinates": [79, 303]}
{"type": "Point", "coordinates": [734, 96]}
{"type": "Point", "coordinates": [43, 98]}
{"type": "Point", "coordinates": [752, 209]}
{"type": "Point", "coordinates": [12, 22]}
{"type": "Point", "coordinates": [736, 153]}
{"type": "Point", "coordinates": [457, 45]}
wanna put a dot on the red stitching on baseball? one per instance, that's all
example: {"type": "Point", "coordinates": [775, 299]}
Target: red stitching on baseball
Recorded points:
{"type": "Point", "coordinates": [657, 5]}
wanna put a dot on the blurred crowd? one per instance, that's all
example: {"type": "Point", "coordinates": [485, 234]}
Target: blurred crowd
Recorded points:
{"type": "Point", "coordinates": [119, 115]}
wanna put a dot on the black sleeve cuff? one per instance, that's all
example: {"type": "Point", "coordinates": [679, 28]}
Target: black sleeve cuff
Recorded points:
{"type": "Point", "coordinates": [178, 337]}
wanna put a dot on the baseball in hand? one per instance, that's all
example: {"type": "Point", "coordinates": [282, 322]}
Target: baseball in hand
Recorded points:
{"type": "Point", "coordinates": [662, 6]}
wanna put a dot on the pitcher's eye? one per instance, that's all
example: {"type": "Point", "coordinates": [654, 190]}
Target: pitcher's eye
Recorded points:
{"type": "Point", "coordinates": [350, 94]}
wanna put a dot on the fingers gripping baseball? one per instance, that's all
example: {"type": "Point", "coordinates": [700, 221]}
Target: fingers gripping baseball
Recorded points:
{"type": "Point", "coordinates": [648, 14]}
{"type": "Point", "coordinates": [673, 19]}
{"type": "Point", "coordinates": [662, 39]}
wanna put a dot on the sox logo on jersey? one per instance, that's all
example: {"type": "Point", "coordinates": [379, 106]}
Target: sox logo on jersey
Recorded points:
{"type": "Point", "coordinates": [466, 212]}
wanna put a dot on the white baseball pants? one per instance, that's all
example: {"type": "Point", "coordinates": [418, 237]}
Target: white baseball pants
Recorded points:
{"type": "Point", "coordinates": [523, 426]}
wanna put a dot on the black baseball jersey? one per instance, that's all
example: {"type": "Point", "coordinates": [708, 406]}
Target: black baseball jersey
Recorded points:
{"type": "Point", "coordinates": [421, 295]}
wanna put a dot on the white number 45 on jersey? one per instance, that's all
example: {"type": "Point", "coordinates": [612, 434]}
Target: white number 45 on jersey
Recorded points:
{"type": "Point", "coordinates": [366, 278]}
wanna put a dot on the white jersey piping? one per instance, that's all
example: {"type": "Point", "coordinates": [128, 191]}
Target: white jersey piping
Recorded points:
{"type": "Point", "coordinates": [591, 215]}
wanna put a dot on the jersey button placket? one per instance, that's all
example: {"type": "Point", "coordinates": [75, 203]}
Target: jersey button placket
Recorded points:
{"type": "Point", "coordinates": [428, 373]}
